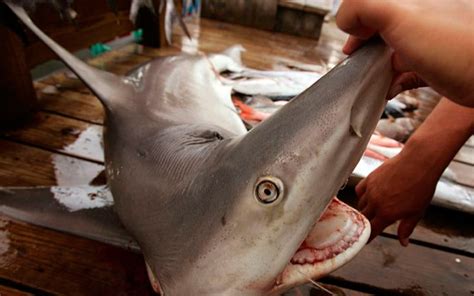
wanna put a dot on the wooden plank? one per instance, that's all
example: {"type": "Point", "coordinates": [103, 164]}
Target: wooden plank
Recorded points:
{"type": "Point", "coordinates": [254, 13]}
{"type": "Point", "coordinates": [22, 165]}
{"type": "Point", "coordinates": [299, 22]}
{"type": "Point", "coordinates": [312, 290]}
{"type": "Point", "coordinates": [387, 268]}
{"type": "Point", "coordinates": [64, 80]}
{"type": "Point", "coordinates": [323, 8]}
{"type": "Point", "coordinates": [445, 228]}
{"type": "Point", "coordinates": [62, 134]}
{"type": "Point", "coordinates": [7, 291]}
{"type": "Point", "coordinates": [70, 103]}
{"type": "Point", "coordinates": [68, 265]}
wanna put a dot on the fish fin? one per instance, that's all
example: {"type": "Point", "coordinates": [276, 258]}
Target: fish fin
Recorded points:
{"type": "Point", "coordinates": [357, 121]}
{"type": "Point", "coordinates": [235, 53]}
{"type": "Point", "coordinates": [85, 211]}
{"type": "Point", "coordinates": [108, 87]}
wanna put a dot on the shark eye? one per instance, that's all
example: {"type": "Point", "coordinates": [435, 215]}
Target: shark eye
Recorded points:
{"type": "Point", "coordinates": [269, 190]}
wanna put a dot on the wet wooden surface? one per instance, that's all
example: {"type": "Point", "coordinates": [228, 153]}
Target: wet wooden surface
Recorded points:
{"type": "Point", "coordinates": [61, 145]}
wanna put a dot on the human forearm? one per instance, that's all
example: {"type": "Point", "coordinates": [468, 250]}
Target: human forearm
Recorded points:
{"type": "Point", "coordinates": [440, 137]}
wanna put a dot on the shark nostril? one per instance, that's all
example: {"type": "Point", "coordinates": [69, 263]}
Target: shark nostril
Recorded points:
{"type": "Point", "coordinates": [268, 190]}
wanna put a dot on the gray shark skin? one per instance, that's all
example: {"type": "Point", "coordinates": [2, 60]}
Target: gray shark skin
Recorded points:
{"type": "Point", "coordinates": [214, 209]}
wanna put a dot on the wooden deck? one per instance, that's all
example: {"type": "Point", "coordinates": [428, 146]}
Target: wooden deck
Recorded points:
{"type": "Point", "coordinates": [34, 260]}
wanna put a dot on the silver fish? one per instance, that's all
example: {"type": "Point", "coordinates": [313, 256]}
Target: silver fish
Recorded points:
{"type": "Point", "coordinates": [219, 211]}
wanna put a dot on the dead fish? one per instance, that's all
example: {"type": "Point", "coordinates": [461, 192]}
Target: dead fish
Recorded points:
{"type": "Point", "coordinates": [277, 85]}
{"type": "Point", "coordinates": [219, 211]}
{"type": "Point", "coordinates": [398, 129]}
{"type": "Point", "coordinates": [394, 109]}
{"type": "Point", "coordinates": [248, 113]}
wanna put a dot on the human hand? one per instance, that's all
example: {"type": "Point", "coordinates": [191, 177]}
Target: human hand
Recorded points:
{"type": "Point", "coordinates": [400, 189]}
{"type": "Point", "coordinates": [433, 41]}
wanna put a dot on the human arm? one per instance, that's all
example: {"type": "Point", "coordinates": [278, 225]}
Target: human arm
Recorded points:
{"type": "Point", "coordinates": [402, 187]}
{"type": "Point", "coordinates": [433, 41]}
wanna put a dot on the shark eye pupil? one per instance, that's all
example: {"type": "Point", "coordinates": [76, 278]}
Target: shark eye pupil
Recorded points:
{"type": "Point", "coordinates": [268, 190]}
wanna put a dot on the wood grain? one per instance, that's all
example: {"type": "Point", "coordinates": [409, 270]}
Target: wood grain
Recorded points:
{"type": "Point", "coordinates": [7, 291]}
{"type": "Point", "coordinates": [255, 13]}
{"type": "Point", "coordinates": [414, 270]}
{"type": "Point", "coordinates": [22, 165]}
{"type": "Point", "coordinates": [58, 133]}
{"type": "Point", "coordinates": [63, 264]}
{"type": "Point", "coordinates": [73, 104]}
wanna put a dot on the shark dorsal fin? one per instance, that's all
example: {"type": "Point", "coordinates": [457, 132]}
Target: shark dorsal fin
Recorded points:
{"type": "Point", "coordinates": [109, 88]}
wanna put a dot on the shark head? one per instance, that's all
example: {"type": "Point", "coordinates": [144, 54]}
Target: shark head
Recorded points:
{"type": "Point", "coordinates": [219, 211]}
{"type": "Point", "coordinates": [283, 174]}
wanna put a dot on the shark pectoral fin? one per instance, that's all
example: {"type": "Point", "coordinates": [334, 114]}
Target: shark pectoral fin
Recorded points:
{"type": "Point", "coordinates": [108, 87]}
{"type": "Point", "coordinates": [85, 211]}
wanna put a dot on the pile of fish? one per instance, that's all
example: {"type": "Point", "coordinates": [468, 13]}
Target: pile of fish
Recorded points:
{"type": "Point", "coordinates": [213, 208]}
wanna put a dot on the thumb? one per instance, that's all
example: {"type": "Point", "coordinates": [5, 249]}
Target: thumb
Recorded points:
{"type": "Point", "coordinates": [405, 229]}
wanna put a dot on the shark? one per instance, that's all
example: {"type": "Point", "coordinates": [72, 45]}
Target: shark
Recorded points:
{"type": "Point", "coordinates": [216, 209]}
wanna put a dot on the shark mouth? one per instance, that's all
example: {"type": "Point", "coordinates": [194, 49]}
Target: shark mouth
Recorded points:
{"type": "Point", "coordinates": [336, 238]}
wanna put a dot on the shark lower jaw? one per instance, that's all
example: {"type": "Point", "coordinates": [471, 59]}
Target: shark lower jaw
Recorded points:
{"type": "Point", "coordinates": [336, 238]}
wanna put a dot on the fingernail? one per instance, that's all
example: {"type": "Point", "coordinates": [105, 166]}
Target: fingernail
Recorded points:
{"type": "Point", "coordinates": [395, 90]}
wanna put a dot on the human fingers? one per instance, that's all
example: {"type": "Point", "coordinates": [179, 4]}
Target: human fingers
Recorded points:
{"type": "Point", "coordinates": [352, 43]}
{"type": "Point", "coordinates": [405, 229]}
{"type": "Point", "coordinates": [348, 19]}
{"type": "Point", "coordinates": [405, 81]}
{"type": "Point", "coordinates": [377, 224]}
{"type": "Point", "coordinates": [363, 18]}
{"type": "Point", "coordinates": [362, 203]}
{"type": "Point", "coordinates": [369, 211]}
{"type": "Point", "coordinates": [361, 187]}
